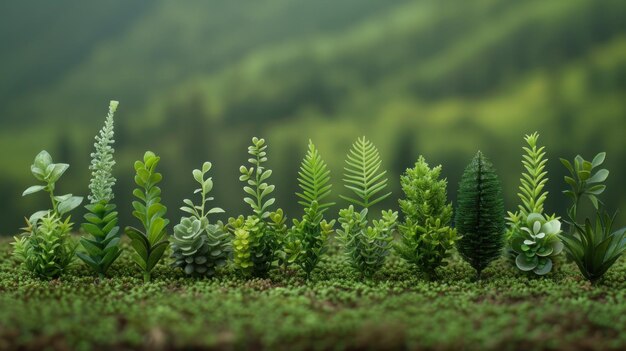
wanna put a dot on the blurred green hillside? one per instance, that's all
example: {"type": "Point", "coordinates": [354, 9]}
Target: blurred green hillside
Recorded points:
{"type": "Point", "coordinates": [197, 79]}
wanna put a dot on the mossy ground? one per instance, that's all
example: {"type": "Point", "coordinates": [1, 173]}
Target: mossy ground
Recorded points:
{"type": "Point", "coordinates": [336, 310]}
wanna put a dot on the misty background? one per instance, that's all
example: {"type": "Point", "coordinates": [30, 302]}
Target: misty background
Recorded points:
{"type": "Point", "coordinates": [197, 79]}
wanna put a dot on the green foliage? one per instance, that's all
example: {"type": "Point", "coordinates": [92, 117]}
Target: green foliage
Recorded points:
{"type": "Point", "coordinates": [594, 248]}
{"type": "Point", "coordinates": [363, 176]}
{"type": "Point", "coordinates": [102, 249]}
{"type": "Point", "coordinates": [199, 247]}
{"type": "Point", "coordinates": [480, 214]}
{"type": "Point", "coordinates": [307, 239]}
{"type": "Point", "coordinates": [149, 244]}
{"type": "Point", "coordinates": [45, 248]}
{"type": "Point", "coordinates": [533, 238]}
{"type": "Point", "coordinates": [256, 242]}
{"type": "Point", "coordinates": [426, 234]}
{"type": "Point", "coordinates": [367, 247]}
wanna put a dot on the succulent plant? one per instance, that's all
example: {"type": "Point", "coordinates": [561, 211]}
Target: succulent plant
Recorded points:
{"type": "Point", "coordinates": [537, 243]}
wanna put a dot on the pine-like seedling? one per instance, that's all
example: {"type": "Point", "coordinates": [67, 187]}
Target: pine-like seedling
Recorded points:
{"type": "Point", "coordinates": [102, 248]}
{"type": "Point", "coordinates": [480, 214]}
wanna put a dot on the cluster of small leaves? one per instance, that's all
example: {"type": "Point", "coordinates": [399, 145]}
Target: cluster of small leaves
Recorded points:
{"type": "Point", "coordinates": [102, 249]}
{"type": "Point", "coordinates": [594, 248]}
{"type": "Point", "coordinates": [46, 248]}
{"type": "Point", "coordinates": [258, 247]}
{"type": "Point", "coordinates": [309, 235]}
{"type": "Point", "coordinates": [480, 214]}
{"type": "Point", "coordinates": [199, 247]}
{"type": "Point", "coordinates": [150, 243]}
{"type": "Point", "coordinates": [533, 237]}
{"type": "Point", "coordinates": [366, 246]}
{"type": "Point", "coordinates": [427, 238]}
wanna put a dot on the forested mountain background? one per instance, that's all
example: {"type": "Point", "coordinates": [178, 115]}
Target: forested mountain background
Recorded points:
{"type": "Point", "coordinates": [197, 79]}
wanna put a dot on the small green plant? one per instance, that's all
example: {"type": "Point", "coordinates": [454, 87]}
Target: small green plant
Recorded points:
{"type": "Point", "coordinates": [311, 232]}
{"type": "Point", "coordinates": [480, 214]}
{"type": "Point", "coordinates": [45, 248]}
{"type": "Point", "coordinates": [427, 238]}
{"type": "Point", "coordinates": [367, 247]}
{"type": "Point", "coordinates": [148, 244]}
{"type": "Point", "coordinates": [102, 249]}
{"type": "Point", "coordinates": [199, 247]}
{"type": "Point", "coordinates": [594, 248]}
{"type": "Point", "coordinates": [533, 237]}
{"type": "Point", "coordinates": [256, 241]}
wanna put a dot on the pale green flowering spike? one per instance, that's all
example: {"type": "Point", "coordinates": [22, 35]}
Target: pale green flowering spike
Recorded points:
{"type": "Point", "coordinates": [102, 162]}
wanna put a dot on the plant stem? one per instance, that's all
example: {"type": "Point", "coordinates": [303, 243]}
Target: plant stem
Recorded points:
{"type": "Point", "coordinates": [146, 277]}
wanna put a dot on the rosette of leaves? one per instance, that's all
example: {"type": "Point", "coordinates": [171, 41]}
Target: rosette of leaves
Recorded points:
{"type": "Point", "coordinates": [45, 248]}
{"type": "Point", "coordinates": [593, 247]}
{"type": "Point", "coordinates": [148, 244]}
{"type": "Point", "coordinates": [367, 247]}
{"type": "Point", "coordinates": [262, 241]}
{"type": "Point", "coordinates": [102, 248]}
{"type": "Point", "coordinates": [312, 231]}
{"type": "Point", "coordinates": [427, 237]}
{"type": "Point", "coordinates": [199, 247]}
{"type": "Point", "coordinates": [533, 237]}
{"type": "Point", "coordinates": [480, 214]}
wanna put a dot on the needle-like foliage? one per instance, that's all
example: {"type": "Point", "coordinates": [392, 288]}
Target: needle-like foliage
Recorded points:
{"type": "Point", "coordinates": [102, 248]}
{"type": "Point", "coordinates": [150, 243]}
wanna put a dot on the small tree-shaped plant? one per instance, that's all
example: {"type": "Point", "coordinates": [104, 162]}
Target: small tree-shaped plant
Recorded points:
{"type": "Point", "coordinates": [310, 233]}
{"type": "Point", "coordinates": [533, 237]}
{"type": "Point", "coordinates": [366, 246]}
{"type": "Point", "coordinates": [427, 237]}
{"type": "Point", "coordinates": [480, 214]}
{"type": "Point", "coordinates": [45, 248]}
{"type": "Point", "coordinates": [255, 243]}
{"type": "Point", "coordinates": [102, 248]}
{"type": "Point", "coordinates": [199, 247]}
{"type": "Point", "coordinates": [594, 248]}
{"type": "Point", "coordinates": [150, 243]}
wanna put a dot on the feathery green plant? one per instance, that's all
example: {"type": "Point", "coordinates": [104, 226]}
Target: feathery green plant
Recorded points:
{"type": "Point", "coordinates": [311, 232]}
{"type": "Point", "coordinates": [480, 214]}
{"type": "Point", "coordinates": [257, 248]}
{"type": "Point", "coordinates": [102, 249]}
{"type": "Point", "coordinates": [594, 248]}
{"type": "Point", "coordinates": [199, 247]}
{"type": "Point", "coordinates": [533, 237]}
{"type": "Point", "coordinates": [45, 248]}
{"type": "Point", "coordinates": [367, 247]}
{"type": "Point", "coordinates": [149, 244]}
{"type": "Point", "coordinates": [427, 238]}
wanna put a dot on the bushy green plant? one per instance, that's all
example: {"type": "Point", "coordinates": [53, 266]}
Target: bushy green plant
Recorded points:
{"type": "Point", "coordinates": [150, 243]}
{"type": "Point", "coordinates": [366, 246]}
{"type": "Point", "coordinates": [256, 242]}
{"type": "Point", "coordinates": [533, 237]}
{"type": "Point", "coordinates": [198, 246]}
{"type": "Point", "coordinates": [311, 232]}
{"type": "Point", "coordinates": [480, 214]}
{"type": "Point", "coordinates": [594, 248]}
{"type": "Point", "coordinates": [45, 248]}
{"type": "Point", "coordinates": [427, 237]}
{"type": "Point", "coordinates": [102, 248]}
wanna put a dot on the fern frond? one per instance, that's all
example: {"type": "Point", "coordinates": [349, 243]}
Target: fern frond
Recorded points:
{"type": "Point", "coordinates": [313, 179]}
{"type": "Point", "coordinates": [363, 175]}
{"type": "Point", "coordinates": [534, 179]}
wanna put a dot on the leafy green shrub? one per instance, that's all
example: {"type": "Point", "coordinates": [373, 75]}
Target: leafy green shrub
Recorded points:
{"type": "Point", "coordinates": [199, 247]}
{"type": "Point", "coordinates": [426, 234]}
{"type": "Point", "coordinates": [480, 214]}
{"type": "Point", "coordinates": [102, 249]}
{"type": "Point", "coordinates": [46, 247]}
{"type": "Point", "coordinates": [533, 237]}
{"type": "Point", "coordinates": [149, 244]}
{"type": "Point", "coordinates": [366, 246]}
{"type": "Point", "coordinates": [256, 241]}
{"type": "Point", "coordinates": [594, 248]}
